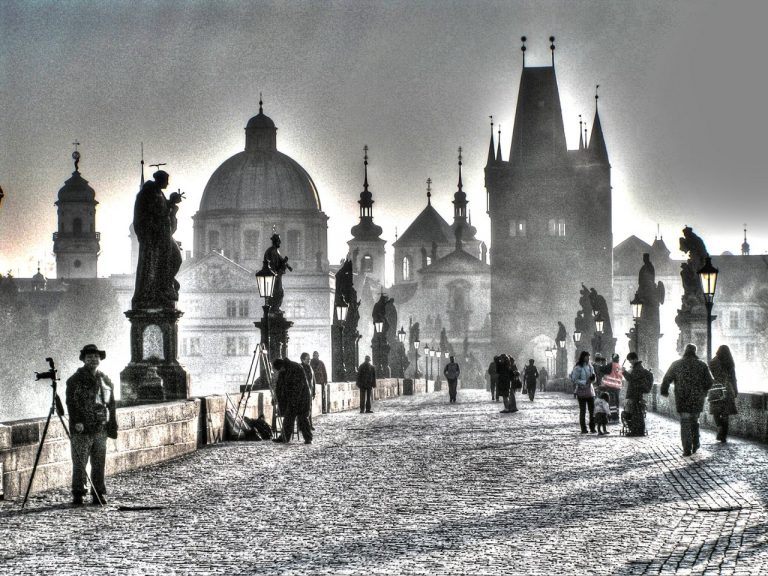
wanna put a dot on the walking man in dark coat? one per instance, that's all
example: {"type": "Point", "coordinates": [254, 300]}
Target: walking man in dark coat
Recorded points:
{"type": "Point", "coordinates": [692, 381]}
{"type": "Point", "coordinates": [530, 377]}
{"type": "Point", "coordinates": [309, 374]}
{"type": "Point", "coordinates": [451, 373]}
{"type": "Point", "coordinates": [294, 398]}
{"type": "Point", "coordinates": [493, 378]}
{"type": "Point", "coordinates": [90, 404]}
{"type": "Point", "coordinates": [366, 381]}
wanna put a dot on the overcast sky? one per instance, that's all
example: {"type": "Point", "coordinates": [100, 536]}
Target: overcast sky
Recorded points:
{"type": "Point", "coordinates": [683, 93]}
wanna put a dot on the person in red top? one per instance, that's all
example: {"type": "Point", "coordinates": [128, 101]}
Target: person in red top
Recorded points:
{"type": "Point", "coordinates": [612, 383]}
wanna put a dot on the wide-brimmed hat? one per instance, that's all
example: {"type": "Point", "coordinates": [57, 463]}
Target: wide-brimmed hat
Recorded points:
{"type": "Point", "coordinates": [92, 349]}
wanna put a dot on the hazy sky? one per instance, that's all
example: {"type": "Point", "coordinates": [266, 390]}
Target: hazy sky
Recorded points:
{"type": "Point", "coordinates": [683, 87]}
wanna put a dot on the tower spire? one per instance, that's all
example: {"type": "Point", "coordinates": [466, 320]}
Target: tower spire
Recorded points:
{"type": "Point", "coordinates": [429, 191]}
{"type": "Point", "coordinates": [261, 104]}
{"type": "Point", "coordinates": [365, 163]}
{"type": "Point", "coordinates": [745, 244]}
{"type": "Point", "coordinates": [498, 150]}
{"type": "Point", "coordinates": [581, 140]}
{"type": "Point", "coordinates": [552, 49]}
{"type": "Point", "coordinates": [597, 97]}
{"type": "Point", "coordinates": [460, 190]}
{"type": "Point", "coordinates": [597, 143]}
{"type": "Point", "coordinates": [523, 39]}
{"type": "Point", "coordinates": [141, 184]}
{"type": "Point", "coordinates": [491, 156]}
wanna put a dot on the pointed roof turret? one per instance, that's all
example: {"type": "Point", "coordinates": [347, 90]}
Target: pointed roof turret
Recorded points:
{"type": "Point", "coordinates": [581, 140]}
{"type": "Point", "coordinates": [491, 155]}
{"type": "Point", "coordinates": [428, 226]}
{"type": "Point", "coordinates": [260, 132]}
{"type": "Point", "coordinates": [76, 189]}
{"type": "Point", "coordinates": [538, 138]}
{"type": "Point", "coordinates": [498, 150]}
{"type": "Point", "coordinates": [463, 230]}
{"type": "Point", "coordinates": [366, 229]}
{"type": "Point", "coordinates": [597, 144]}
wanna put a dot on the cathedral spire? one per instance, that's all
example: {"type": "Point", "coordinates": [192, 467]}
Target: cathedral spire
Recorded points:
{"type": "Point", "coordinates": [491, 155]}
{"type": "Point", "coordinates": [429, 191]}
{"type": "Point", "coordinates": [261, 104]}
{"type": "Point", "coordinates": [498, 150]}
{"type": "Point", "coordinates": [745, 244]}
{"type": "Point", "coordinates": [366, 198]}
{"type": "Point", "coordinates": [460, 200]}
{"type": "Point", "coordinates": [597, 142]}
{"type": "Point", "coordinates": [141, 184]}
{"type": "Point", "coordinates": [581, 139]}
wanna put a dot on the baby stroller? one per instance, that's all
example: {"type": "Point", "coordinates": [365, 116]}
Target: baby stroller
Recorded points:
{"type": "Point", "coordinates": [633, 418]}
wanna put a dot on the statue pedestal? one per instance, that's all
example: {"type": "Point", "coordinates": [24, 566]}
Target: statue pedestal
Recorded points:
{"type": "Point", "coordinates": [693, 328]}
{"type": "Point", "coordinates": [278, 328]}
{"type": "Point", "coordinates": [154, 373]}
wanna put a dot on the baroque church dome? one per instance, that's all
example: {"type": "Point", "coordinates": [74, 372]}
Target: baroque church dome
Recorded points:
{"type": "Point", "coordinates": [260, 178]}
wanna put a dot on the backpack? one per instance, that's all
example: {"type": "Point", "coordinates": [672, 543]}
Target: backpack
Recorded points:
{"type": "Point", "coordinates": [648, 381]}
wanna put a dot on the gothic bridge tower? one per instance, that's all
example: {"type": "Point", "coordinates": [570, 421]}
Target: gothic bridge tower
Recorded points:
{"type": "Point", "coordinates": [550, 211]}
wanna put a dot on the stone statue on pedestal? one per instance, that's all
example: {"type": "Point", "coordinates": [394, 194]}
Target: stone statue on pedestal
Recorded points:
{"type": "Point", "coordinates": [692, 314]}
{"type": "Point", "coordinates": [651, 294]}
{"type": "Point", "coordinates": [379, 344]}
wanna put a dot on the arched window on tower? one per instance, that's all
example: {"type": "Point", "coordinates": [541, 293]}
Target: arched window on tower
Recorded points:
{"type": "Point", "coordinates": [213, 240]}
{"type": "Point", "coordinates": [517, 228]}
{"type": "Point", "coordinates": [561, 227]}
{"type": "Point", "coordinates": [77, 227]}
{"type": "Point", "coordinates": [406, 268]}
{"type": "Point", "coordinates": [552, 227]}
{"type": "Point", "coordinates": [366, 264]}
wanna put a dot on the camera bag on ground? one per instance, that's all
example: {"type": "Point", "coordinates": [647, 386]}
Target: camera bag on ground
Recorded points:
{"type": "Point", "coordinates": [238, 428]}
{"type": "Point", "coordinates": [260, 426]}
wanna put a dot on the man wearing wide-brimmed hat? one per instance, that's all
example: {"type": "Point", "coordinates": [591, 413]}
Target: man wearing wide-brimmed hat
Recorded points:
{"type": "Point", "coordinates": [91, 405]}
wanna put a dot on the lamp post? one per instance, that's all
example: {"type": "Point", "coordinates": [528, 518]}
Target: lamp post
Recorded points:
{"type": "Point", "coordinates": [637, 310]}
{"type": "Point", "coordinates": [341, 316]}
{"type": "Point", "coordinates": [599, 322]}
{"type": "Point", "coordinates": [265, 281]}
{"type": "Point", "coordinates": [560, 367]}
{"type": "Point", "coordinates": [378, 326]}
{"type": "Point", "coordinates": [416, 344]}
{"type": "Point", "coordinates": [432, 354]}
{"type": "Point", "coordinates": [426, 360]}
{"type": "Point", "coordinates": [708, 276]}
{"type": "Point", "coordinates": [400, 362]}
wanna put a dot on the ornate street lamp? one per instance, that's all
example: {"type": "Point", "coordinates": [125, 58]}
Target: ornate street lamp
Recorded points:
{"type": "Point", "coordinates": [401, 335]}
{"type": "Point", "coordinates": [708, 276]}
{"type": "Point", "coordinates": [432, 354]}
{"type": "Point", "coordinates": [599, 332]}
{"type": "Point", "coordinates": [576, 337]}
{"type": "Point", "coordinates": [637, 310]}
{"type": "Point", "coordinates": [341, 310]}
{"type": "Point", "coordinates": [426, 360]}
{"type": "Point", "coordinates": [378, 326]}
{"type": "Point", "coordinates": [265, 281]}
{"type": "Point", "coordinates": [416, 344]}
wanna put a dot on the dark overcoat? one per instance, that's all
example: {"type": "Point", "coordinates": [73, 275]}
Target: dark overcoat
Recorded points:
{"type": "Point", "coordinates": [692, 381]}
{"type": "Point", "coordinates": [726, 377]}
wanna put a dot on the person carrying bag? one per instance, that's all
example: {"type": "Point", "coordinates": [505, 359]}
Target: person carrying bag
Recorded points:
{"type": "Point", "coordinates": [582, 376]}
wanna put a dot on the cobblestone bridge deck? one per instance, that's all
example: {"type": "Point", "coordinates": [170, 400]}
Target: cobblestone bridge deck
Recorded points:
{"type": "Point", "coordinates": [419, 487]}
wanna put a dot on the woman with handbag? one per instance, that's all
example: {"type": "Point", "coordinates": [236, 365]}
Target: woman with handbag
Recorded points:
{"type": "Point", "coordinates": [722, 396]}
{"type": "Point", "coordinates": [582, 377]}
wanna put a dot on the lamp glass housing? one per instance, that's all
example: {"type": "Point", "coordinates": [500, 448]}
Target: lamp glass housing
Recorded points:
{"type": "Point", "coordinates": [265, 281]}
{"type": "Point", "coordinates": [708, 276]}
{"type": "Point", "coordinates": [576, 336]}
{"type": "Point", "coordinates": [341, 311]}
{"type": "Point", "coordinates": [378, 326]}
{"type": "Point", "coordinates": [561, 343]}
{"type": "Point", "coordinates": [599, 325]}
{"type": "Point", "coordinates": [416, 344]}
{"type": "Point", "coordinates": [637, 308]}
{"type": "Point", "coordinates": [401, 334]}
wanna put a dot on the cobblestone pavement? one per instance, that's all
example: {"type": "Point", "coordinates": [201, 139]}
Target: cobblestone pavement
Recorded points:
{"type": "Point", "coordinates": [420, 487]}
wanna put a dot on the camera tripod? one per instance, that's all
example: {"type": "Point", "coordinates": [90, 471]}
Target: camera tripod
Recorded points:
{"type": "Point", "coordinates": [58, 407]}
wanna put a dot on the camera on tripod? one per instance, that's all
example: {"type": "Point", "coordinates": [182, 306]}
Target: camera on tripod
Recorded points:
{"type": "Point", "coordinates": [50, 374]}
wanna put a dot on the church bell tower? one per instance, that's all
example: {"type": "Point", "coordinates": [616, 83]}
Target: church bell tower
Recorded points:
{"type": "Point", "coordinates": [76, 243]}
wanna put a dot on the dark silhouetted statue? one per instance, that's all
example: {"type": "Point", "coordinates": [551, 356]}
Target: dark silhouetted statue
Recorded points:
{"type": "Point", "coordinates": [154, 221]}
{"type": "Point", "coordinates": [692, 313]}
{"type": "Point", "coordinates": [651, 294]}
{"type": "Point", "coordinates": [279, 265]}
{"type": "Point", "coordinates": [379, 344]}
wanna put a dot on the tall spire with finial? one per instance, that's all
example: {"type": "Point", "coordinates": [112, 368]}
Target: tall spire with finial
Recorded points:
{"type": "Point", "coordinates": [261, 104]}
{"type": "Point", "coordinates": [141, 184]}
{"type": "Point", "coordinates": [523, 39]}
{"type": "Point", "coordinates": [745, 244]}
{"type": "Point", "coordinates": [581, 140]}
{"type": "Point", "coordinates": [460, 186]}
{"type": "Point", "coordinates": [552, 49]}
{"type": "Point", "coordinates": [429, 191]}
{"type": "Point", "coordinates": [498, 150]}
{"type": "Point", "coordinates": [491, 156]}
{"type": "Point", "coordinates": [597, 143]}
{"type": "Point", "coordinates": [460, 199]}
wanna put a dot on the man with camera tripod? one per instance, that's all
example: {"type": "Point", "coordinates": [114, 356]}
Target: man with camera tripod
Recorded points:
{"type": "Point", "coordinates": [91, 405]}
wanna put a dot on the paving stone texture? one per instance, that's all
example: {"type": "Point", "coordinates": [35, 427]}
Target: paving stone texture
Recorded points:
{"type": "Point", "coordinates": [420, 486]}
